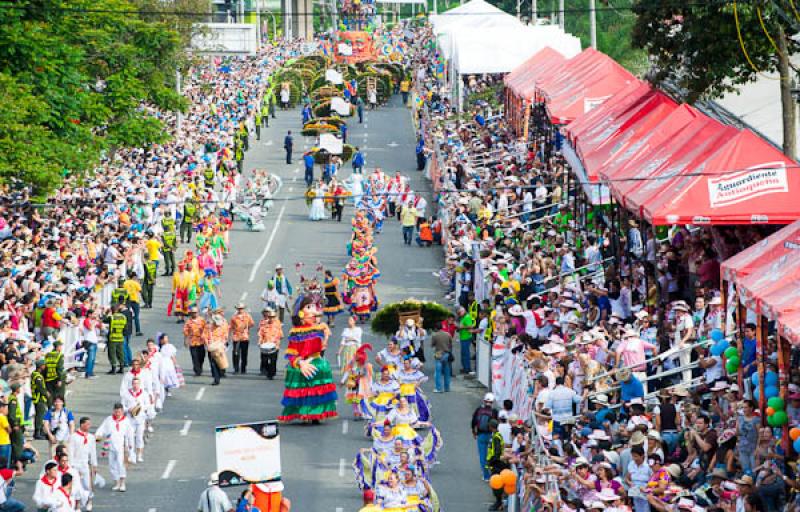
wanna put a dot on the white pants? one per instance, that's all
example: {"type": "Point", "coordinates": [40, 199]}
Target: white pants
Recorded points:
{"type": "Point", "coordinates": [138, 431]}
{"type": "Point", "coordinates": [116, 464]}
{"type": "Point", "coordinates": [85, 476]}
{"type": "Point", "coordinates": [685, 357]}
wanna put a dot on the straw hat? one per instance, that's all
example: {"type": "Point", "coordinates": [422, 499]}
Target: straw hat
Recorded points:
{"type": "Point", "coordinates": [680, 391]}
{"type": "Point", "coordinates": [637, 438]}
{"type": "Point", "coordinates": [674, 470]}
{"type": "Point", "coordinates": [623, 375]}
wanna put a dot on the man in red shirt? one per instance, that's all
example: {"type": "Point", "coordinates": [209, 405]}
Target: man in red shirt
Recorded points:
{"type": "Point", "coordinates": [51, 320]}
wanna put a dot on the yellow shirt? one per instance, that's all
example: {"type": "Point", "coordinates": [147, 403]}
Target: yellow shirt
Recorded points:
{"type": "Point", "coordinates": [408, 216]}
{"type": "Point", "coordinates": [5, 437]}
{"type": "Point", "coordinates": [152, 246]}
{"type": "Point", "coordinates": [134, 289]}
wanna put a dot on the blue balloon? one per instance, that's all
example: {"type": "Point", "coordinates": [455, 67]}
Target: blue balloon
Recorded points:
{"type": "Point", "coordinates": [756, 393]}
{"type": "Point", "coordinates": [771, 379]}
{"type": "Point", "coordinates": [797, 445]}
{"type": "Point", "coordinates": [717, 335]}
{"type": "Point", "coordinates": [770, 391]}
{"type": "Point", "coordinates": [723, 346]}
{"type": "Point", "coordinates": [717, 350]}
{"type": "Point", "coordinates": [754, 379]}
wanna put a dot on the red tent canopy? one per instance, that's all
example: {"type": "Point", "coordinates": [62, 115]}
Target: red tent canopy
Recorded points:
{"type": "Point", "coordinates": [523, 78]}
{"type": "Point", "coordinates": [587, 83]}
{"type": "Point", "coordinates": [746, 181]}
{"type": "Point", "coordinates": [605, 116]}
{"type": "Point", "coordinates": [634, 187]}
{"type": "Point", "coordinates": [653, 109]}
{"type": "Point", "coordinates": [769, 281]}
{"type": "Point", "coordinates": [789, 327]}
{"type": "Point", "coordinates": [784, 241]}
{"type": "Point", "coordinates": [638, 153]}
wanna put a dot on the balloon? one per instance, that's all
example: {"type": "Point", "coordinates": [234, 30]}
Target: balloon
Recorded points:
{"type": "Point", "coordinates": [771, 421]}
{"type": "Point", "coordinates": [774, 401]}
{"type": "Point", "coordinates": [717, 350]}
{"type": "Point", "coordinates": [754, 379]}
{"type": "Point", "coordinates": [508, 476]}
{"type": "Point", "coordinates": [771, 379]}
{"type": "Point", "coordinates": [730, 367]}
{"type": "Point", "coordinates": [780, 418]}
{"type": "Point", "coordinates": [772, 392]}
{"type": "Point", "coordinates": [717, 335]}
{"type": "Point", "coordinates": [510, 489]}
{"type": "Point", "coordinates": [756, 393]}
{"type": "Point", "coordinates": [731, 352]}
{"type": "Point", "coordinates": [796, 446]}
{"type": "Point", "coordinates": [770, 411]}
{"type": "Point", "coordinates": [794, 434]}
{"type": "Point", "coordinates": [496, 482]}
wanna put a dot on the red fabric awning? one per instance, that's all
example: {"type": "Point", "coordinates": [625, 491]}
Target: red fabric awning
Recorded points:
{"type": "Point", "coordinates": [769, 282]}
{"type": "Point", "coordinates": [789, 327]}
{"type": "Point", "coordinates": [590, 78]}
{"type": "Point", "coordinates": [638, 153]}
{"type": "Point", "coordinates": [784, 241]}
{"type": "Point", "coordinates": [523, 78]}
{"type": "Point", "coordinates": [746, 181]}
{"type": "Point", "coordinates": [605, 117]}
{"type": "Point", "coordinates": [647, 114]}
{"type": "Point", "coordinates": [635, 186]}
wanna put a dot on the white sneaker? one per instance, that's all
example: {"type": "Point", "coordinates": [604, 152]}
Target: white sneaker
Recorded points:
{"type": "Point", "coordinates": [141, 458]}
{"type": "Point", "coordinates": [116, 487]}
{"type": "Point", "coordinates": [150, 429]}
{"type": "Point", "coordinates": [133, 461]}
{"type": "Point", "coordinates": [122, 488]}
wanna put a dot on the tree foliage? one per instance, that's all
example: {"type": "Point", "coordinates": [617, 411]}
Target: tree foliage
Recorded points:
{"type": "Point", "coordinates": [697, 46]}
{"type": "Point", "coordinates": [74, 77]}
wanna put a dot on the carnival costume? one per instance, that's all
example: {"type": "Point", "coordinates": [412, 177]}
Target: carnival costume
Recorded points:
{"type": "Point", "coordinates": [410, 389]}
{"type": "Point", "coordinates": [357, 378]}
{"type": "Point", "coordinates": [333, 301]}
{"type": "Point", "coordinates": [310, 393]}
{"type": "Point", "coordinates": [208, 286]}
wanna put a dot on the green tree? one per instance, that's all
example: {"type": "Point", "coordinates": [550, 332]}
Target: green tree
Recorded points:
{"type": "Point", "coordinates": [75, 78]}
{"type": "Point", "coordinates": [710, 49]}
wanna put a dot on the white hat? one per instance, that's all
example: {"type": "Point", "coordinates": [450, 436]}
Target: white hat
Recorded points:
{"type": "Point", "coordinates": [488, 397]}
{"type": "Point", "coordinates": [612, 457]}
{"type": "Point", "coordinates": [607, 494]}
{"type": "Point", "coordinates": [551, 348]}
{"type": "Point", "coordinates": [278, 266]}
{"type": "Point", "coordinates": [515, 310]}
{"type": "Point", "coordinates": [601, 398]}
{"type": "Point", "coordinates": [716, 300]}
{"type": "Point", "coordinates": [630, 333]}
{"type": "Point", "coordinates": [410, 322]}
{"type": "Point", "coordinates": [213, 479]}
{"type": "Point", "coordinates": [720, 385]}
{"type": "Point", "coordinates": [555, 338]}
{"type": "Point", "coordinates": [735, 388]}
{"type": "Point", "coordinates": [580, 461]}
{"type": "Point", "coordinates": [596, 505]}
{"type": "Point", "coordinates": [642, 314]}
{"type": "Point", "coordinates": [599, 435]}
{"type": "Point", "coordinates": [654, 434]}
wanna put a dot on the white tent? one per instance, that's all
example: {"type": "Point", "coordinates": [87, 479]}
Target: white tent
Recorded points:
{"type": "Point", "coordinates": [500, 50]}
{"type": "Point", "coordinates": [476, 13]}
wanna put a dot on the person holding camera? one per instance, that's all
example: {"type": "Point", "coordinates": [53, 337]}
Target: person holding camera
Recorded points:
{"type": "Point", "coordinates": [59, 424]}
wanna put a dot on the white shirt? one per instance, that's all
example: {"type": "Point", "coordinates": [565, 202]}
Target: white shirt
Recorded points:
{"type": "Point", "coordinates": [44, 493]}
{"type": "Point", "coordinates": [214, 499]}
{"type": "Point", "coordinates": [62, 501]}
{"type": "Point", "coordinates": [352, 336]}
{"type": "Point", "coordinates": [118, 432]}
{"type": "Point", "coordinates": [82, 449]}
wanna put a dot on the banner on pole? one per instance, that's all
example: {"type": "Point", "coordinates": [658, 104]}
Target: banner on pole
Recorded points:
{"type": "Point", "coordinates": [331, 143]}
{"type": "Point", "coordinates": [248, 453]}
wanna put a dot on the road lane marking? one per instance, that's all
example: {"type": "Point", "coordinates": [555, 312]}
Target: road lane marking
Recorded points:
{"type": "Point", "coordinates": [200, 393]}
{"type": "Point", "coordinates": [339, 509]}
{"type": "Point", "coordinates": [291, 189]}
{"type": "Point", "coordinates": [341, 467]}
{"type": "Point", "coordinates": [168, 470]}
{"type": "Point", "coordinates": [243, 297]}
{"type": "Point", "coordinates": [345, 427]}
{"type": "Point", "coordinates": [269, 243]}
{"type": "Point", "coordinates": [297, 170]}
{"type": "Point", "coordinates": [268, 143]}
{"type": "Point", "coordinates": [151, 510]}
{"type": "Point", "coordinates": [186, 426]}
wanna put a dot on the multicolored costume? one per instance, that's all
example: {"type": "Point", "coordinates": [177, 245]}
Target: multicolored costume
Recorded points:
{"type": "Point", "coordinates": [313, 397]}
{"type": "Point", "coordinates": [333, 301]}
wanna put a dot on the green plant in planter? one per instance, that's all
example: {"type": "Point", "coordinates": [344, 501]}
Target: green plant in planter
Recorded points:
{"type": "Point", "coordinates": [387, 320]}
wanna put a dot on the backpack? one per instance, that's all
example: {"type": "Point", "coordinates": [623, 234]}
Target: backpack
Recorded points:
{"type": "Point", "coordinates": [484, 418]}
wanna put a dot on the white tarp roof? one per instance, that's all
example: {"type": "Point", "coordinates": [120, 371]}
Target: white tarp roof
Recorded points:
{"type": "Point", "coordinates": [423, 2]}
{"type": "Point", "coordinates": [476, 13]}
{"type": "Point", "coordinates": [501, 50]}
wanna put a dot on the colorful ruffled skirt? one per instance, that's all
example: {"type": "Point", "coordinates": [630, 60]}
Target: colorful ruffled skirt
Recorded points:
{"type": "Point", "coordinates": [417, 400]}
{"type": "Point", "coordinates": [309, 399]}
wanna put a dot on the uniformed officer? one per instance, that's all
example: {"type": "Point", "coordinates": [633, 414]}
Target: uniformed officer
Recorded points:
{"type": "Point", "coordinates": [168, 246]}
{"type": "Point", "coordinates": [208, 177]}
{"type": "Point", "coordinates": [258, 123]}
{"type": "Point", "coordinates": [117, 322]}
{"type": "Point", "coordinates": [120, 295]}
{"type": "Point", "coordinates": [40, 398]}
{"type": "Point", "coordinates": [54, 377]}
{"type": "Point", "coordinates": [15, 421]}
{"type": "Point", "coordinates": [148, 283]}
{"type": "Point", "coordinates": [187, 221]}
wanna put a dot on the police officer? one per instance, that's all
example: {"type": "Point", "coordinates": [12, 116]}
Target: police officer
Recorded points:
{"type": "Point", "coordinates": [120, 295]}
{"type": "Point", "coordinates": [168, 246]}
{"type": "Point", "coordinates": [187, 221]}
{"type": "Point", "coordinates": [150, 274]}
{"type": "Point", "coordinates": [54, 377]}
{"type": "Point", "coordinates": [15, 421]}
{"type": "Point", "coordinates": [208, 177]}
{"type": "Point", "coordinates": [117, 322]}
{"type": "Point", "coordinates": [259, 120]}
{"type": "Point", "coordinates": [40, 398]}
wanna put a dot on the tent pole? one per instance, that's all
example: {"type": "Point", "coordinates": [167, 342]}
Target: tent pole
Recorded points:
{"type": "Point", "coordinates": [783, 382]}
{"type": "Point", "coordinates": [761, 339]}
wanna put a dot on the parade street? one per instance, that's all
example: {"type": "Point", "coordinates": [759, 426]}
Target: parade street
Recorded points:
{"type": "Point", "coordinates": [316, 460]}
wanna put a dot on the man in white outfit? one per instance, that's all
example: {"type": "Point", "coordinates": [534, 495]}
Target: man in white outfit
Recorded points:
{"type": "Point", "coordinates": [78, 493]}
{"type": "Point", "coordinates": [118, 429]}
{"type": "Point", "coordinates": [63, 500]}
{"type": "Point", "coordinates": [137, 403]}
{"type": "Point", "coordinates": [46, 487]}
{"type": "Point", "coordinates": [82, 447]}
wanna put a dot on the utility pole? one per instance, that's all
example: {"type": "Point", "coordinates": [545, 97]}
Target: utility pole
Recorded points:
{"type": "Point", "coordinates": [178, 89]}
{"type": "Point", "coordinates": [592, 24]}
{"type": "Point", "coordinates": [534, 12]}
{"type": "Point", "coordinates": [518, 6]}
{"type": "Point", "coordinates": [561, 14]}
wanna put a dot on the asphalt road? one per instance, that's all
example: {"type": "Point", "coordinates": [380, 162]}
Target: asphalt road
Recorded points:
{"type": "Point", "coordinates": [316, 460]}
